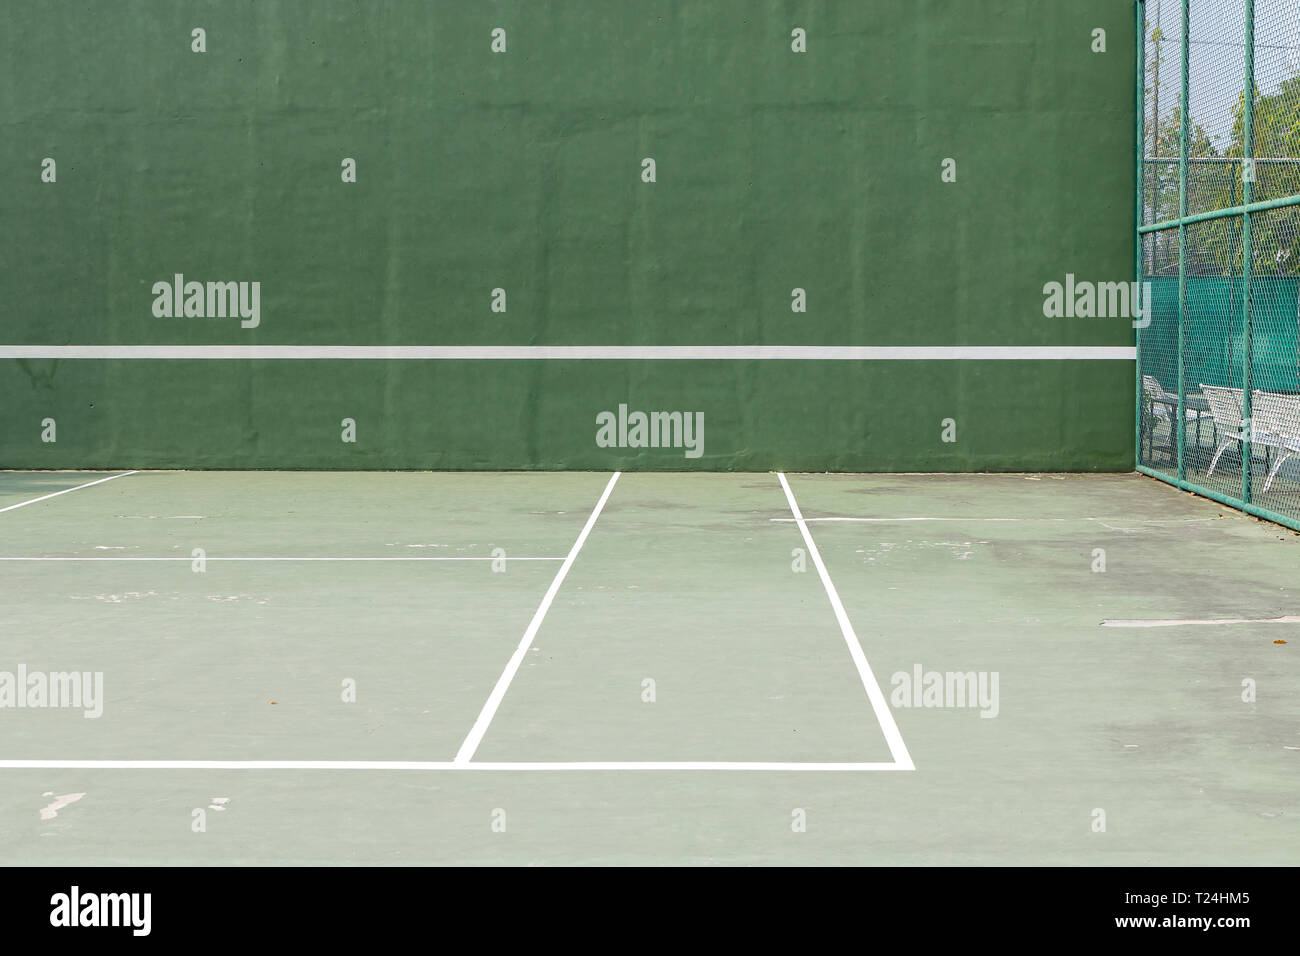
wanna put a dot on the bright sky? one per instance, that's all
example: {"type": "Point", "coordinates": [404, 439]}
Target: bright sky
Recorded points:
{"type": "Point", "coordinates": [1218, 56]}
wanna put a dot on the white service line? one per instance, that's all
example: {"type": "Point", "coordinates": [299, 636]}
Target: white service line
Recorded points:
{"type": "Point", "coordinates": [884, 715]}
{"type": "Point", "coordinates": [97, 481]}
{"type": "Point", "coordinates": [690, 765]}
{"type": "Point", "coordinates": [475, 736]}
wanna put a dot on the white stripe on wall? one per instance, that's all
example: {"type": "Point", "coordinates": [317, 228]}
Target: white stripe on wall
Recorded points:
{"type": "Point", "coordinates": [615, 352]}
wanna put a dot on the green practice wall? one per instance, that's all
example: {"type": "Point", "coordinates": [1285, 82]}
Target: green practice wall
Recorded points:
{"type": "Point", "coordinates": [523, 171]}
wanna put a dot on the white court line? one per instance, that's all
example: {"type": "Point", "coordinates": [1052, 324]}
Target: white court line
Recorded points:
{"type": "Point", "coordinates": [1080, 518]}
{"type": "Point", "coordinates": [211, 559]}
{"type": "Point", "coordinates": [901, 761]}
{"type": "Point", "coordinates": [1181, 622]}
{"type": "Point", "coordinates": [884, 716]}
{"type": "Point", "coordinates": [98, 481]}
{"type": "Point", "coordinates": [572, 352]}
{"type": "Point", "coordinates": [690, 765]}
{"type": "Point", "coordinates": [475, 736]}
{"type": "Point", "coordinates": [892, 520]}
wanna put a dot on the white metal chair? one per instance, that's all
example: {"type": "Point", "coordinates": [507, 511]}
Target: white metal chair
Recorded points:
{"type": "Point", "coordinates": [1225, 406]}
{"type": "Point", "coordinates": [1164, 407]}
{"type": "Point", "coordinates": [1275, 423]}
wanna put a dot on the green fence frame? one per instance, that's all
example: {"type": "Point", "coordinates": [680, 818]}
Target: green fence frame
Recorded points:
{"type": "Point", "coordinates": [1244, 211]}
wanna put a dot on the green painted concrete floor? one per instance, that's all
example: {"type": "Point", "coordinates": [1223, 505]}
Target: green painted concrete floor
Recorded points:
{"type": "Point", "coordinates": [691, 693]}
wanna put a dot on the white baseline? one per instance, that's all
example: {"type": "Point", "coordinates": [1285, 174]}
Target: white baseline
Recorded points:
{"type": "Point", "coordinates": [291, 560]}
{"type": "Point", "coordinates": [687, 765]}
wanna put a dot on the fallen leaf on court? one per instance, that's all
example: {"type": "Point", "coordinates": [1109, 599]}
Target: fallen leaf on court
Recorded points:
{"type": "Point", "coordinates": [1279, 642]}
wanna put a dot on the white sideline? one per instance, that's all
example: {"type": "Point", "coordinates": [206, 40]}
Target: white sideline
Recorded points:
{"type": "Point", "coordinates": [97, 481]}
{"type": "Point", "coordinates": [884, 716]}
{"type": "Point", "coordinates": [475, 736]}
{"type": "Point", "coordinates": [571, 352]}
{"type": "Point", "coordinates": [436, 765]}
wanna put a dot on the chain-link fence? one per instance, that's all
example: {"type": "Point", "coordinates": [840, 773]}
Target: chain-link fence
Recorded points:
{"type": "Point", "coordinates": [1219, 218]}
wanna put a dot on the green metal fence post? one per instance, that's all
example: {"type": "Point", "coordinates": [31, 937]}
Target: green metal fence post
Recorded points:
{"type": "Point", "coordinates": [1139, 150]}
{"type": "Point", "coordinates": [1183, 140]}
{"type": "Point", "coordinates": [1247, 255]}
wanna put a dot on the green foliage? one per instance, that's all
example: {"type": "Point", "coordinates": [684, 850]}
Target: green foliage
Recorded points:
{"type": "Point", "coordinates": [1215, 247]}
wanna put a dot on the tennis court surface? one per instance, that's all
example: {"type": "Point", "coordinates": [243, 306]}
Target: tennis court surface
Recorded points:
{"type": "Point", "coordinates": [553, 668]}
